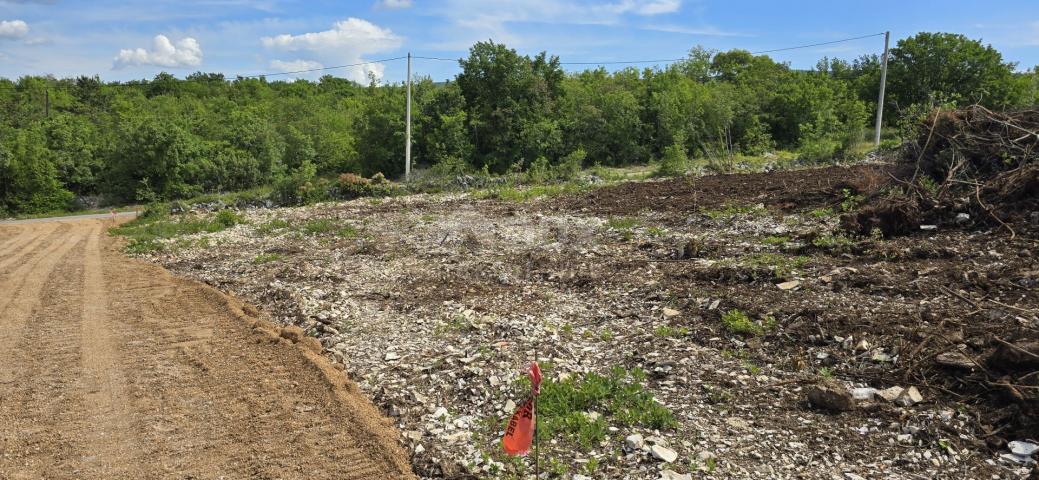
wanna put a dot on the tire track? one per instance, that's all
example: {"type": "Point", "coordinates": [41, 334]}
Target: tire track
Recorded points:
{"type": "Point", "coordinates": [44, 372]}
{"type": "Point", "coordinates": [21, 250]}
{"type": "Point", "coordinates": [112, 368]}
{"type": "Point", "coordinates": [105, 392]}
{"type": "Point", "coordinates": [23, 298]}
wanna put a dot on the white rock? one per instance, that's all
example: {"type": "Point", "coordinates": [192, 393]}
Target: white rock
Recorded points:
{"type": "Point", "coordinates": [704, 456]}
{"type": "Point", "coordinates": [673, 475]}
{"type": "Point", "coordinates": [911, 396]}
{"type": "Point", "coordinates": [440, 412]}
{"type": "Point", "coordinates": [863, 394]}
{"type": "Point", "coordinates": [663, 453]}
{"type": "Point", "coordinates": [634, 442]}
{"type": "Point", "coordinates": [419, 449]}
{"type": "Point", "coordinates": [391, 356]}
{"type": "Point", "coordinates": [789, 285]}
{"type": "Point", "coordinates": [890, 394]}
{"type": "Point", "coordinates": [670, 312]}
{"type": "Point", "coordinates": [1024, 449]}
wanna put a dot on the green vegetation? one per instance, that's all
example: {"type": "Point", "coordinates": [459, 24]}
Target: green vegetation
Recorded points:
{"type": "Point", "coordinates": [266, 258]}
{"type": "Point", "coordinates": [667, 331]}
{"type": "Point", "coordinates": [324, 226]}
{"type": "Point", "coordinates": [300, 141]}
{"type": "Point", "coordinates": [145, 233]}
{"type": "Point", "coordinates": [778, 240]}
{"type": "Point", "coordinates": [577, 408]}
{"type": "Point", "coordinates": [730, 211]}
{"type": "Point", "coordinates": [736, 321]}
{"type": "Point", "coordinates": [783, 267]}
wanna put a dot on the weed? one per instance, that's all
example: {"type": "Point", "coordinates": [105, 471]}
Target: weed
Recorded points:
{"type": "Point", "coordinates": [145, 233]}
{"type": "Point", "coordinates": [736, 321]}
{"type": "Point", "coordinates": [667, 331]}
{"type": "Point", "coordinates": [565, 405]}
{"type": "Point", "coordinates": [821, 212]}
{"type": "Point", "coordinates": [779, 240]}
{"type": "Point", "coordinates": [266, 258]}
{"type": "Point", "coordinates": [783, 267]}
{"type": "Point", "coordinates": [591, 466]}
{"type": "Point", "coordinates": [272, 226]}
{"type": "Point", "coordinates": [850, 202]}
{"type": "Point", "coordinates": [826, 372]}
{"type": "Point", "coordinates": [606, 335]}
{"type": "Point", "coordinates": [622, 223]}
{"type": "Point", "coordinates": [655, 231]}
{"type": "Point", "coordinates": [229, 218]}
{"type": "Point", "coordinates": [832, 242]}
{"type": "Point", "coordinates": [730, 211]}
{"type": "Point", "coordinates": [326, 226]}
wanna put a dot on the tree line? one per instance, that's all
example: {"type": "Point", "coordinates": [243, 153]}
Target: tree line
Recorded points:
{"type": "Point", "coordinates": [166, 138]}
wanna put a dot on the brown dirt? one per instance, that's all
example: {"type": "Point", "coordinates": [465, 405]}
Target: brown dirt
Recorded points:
{"type": "Point", "coordinates": [113, 368]}
{"type": "Point", "coordinates": [780, 190]}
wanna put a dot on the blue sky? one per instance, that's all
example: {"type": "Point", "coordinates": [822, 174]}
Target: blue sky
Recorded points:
{"type": "Point", "coordinates": [121, 40]}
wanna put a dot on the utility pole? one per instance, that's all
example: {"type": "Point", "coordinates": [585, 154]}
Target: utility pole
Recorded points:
{"type": "Point", "coordinates": [47, 102]}
{"type": "Point", "coordinates": [883, 83]}
{"type": "Point", "coordinates": [407, 128]}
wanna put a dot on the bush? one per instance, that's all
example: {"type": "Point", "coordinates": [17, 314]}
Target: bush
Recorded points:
{"type": "Point", "coordinates": [673, 163]}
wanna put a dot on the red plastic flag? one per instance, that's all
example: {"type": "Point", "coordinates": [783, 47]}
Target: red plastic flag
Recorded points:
{"type": "Point", "coordinates": [535, 378]}
{"type": "Point", "coordinates": [520, 431]}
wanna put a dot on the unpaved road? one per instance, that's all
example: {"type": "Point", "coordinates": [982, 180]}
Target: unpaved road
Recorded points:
{"type": "Point", "coordinates": [112, 368]}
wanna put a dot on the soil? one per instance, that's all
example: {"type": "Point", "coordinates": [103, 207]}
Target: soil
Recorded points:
{"type": "Point", "coordinates": [782, 190]}
{"type": "Point", "coordinates": [113, 368]}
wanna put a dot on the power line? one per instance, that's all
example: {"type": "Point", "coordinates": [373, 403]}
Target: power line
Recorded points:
{"type": "Point", "coordinates": [442, 59]}
{"type": "Point", "coordinates": [322, 68]}
{"type": "Point", "coordinates": [817, 44]}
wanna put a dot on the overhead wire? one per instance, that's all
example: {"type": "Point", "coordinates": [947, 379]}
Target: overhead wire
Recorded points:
{"type": "Point", "coordinates": [422, 57]}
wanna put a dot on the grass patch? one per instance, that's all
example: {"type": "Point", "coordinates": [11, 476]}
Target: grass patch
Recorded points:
{"type": "Point", "coordinates": [832, 242]}
{"type": "Point", "coordinates": [783, 267]}
{"type": "Point", "coordinates": [623, 223]}
{"type": "Point", "coordinates": [667, 331]}
{"type": "Point", "coordinates": [266, 258]}
{"type": "Point", "coordinates": [777, 240]}
{"type": "Point", "coordinates": [730, 211]}
{"type": "Point", "coordinates": [326, 226]}
{"type": "Point", "coordinates": [736, 321]}
{"type": "Point", "coordinates": [272, 226]}
{"type": "Point", "coordinates": [145, 234]}
{"type": "Point", "coordinates": [566, 407]}
{"type": "Point", "coordinates": [514, 194]}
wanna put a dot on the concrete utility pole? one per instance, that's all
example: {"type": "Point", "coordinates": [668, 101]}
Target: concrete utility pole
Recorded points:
{"type": "Point", "coordinates": [407, 128]}
{"type": "Point", "coordinates": [883, 83]}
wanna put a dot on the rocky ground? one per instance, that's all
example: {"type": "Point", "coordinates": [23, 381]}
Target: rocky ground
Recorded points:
{"type": "Point", "coordinates": [731, 300]}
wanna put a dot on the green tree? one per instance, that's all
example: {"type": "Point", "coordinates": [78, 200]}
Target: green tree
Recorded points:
{"type": "Point", "coordinates": [943, 67]}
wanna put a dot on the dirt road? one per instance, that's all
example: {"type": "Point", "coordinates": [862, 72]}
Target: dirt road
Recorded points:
{"type": "Point", "coordinates": [112, 368]}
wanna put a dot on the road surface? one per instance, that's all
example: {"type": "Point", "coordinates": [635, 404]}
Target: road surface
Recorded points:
{"type": "Point", "coordinates": [111, 368]}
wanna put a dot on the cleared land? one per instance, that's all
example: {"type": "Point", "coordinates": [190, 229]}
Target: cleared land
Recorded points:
{"type": "Point", "coordinates": [113, 368]}
{"type": "Point", "coordinates": [647, 295]}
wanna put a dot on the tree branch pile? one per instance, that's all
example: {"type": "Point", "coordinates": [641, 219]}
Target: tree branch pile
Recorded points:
{"type": "Point", "coordinates": [970, 167]}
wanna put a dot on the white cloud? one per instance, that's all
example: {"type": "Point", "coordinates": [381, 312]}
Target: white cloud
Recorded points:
{"type": "Point", "coordinates": [295, 65]}
{"type": "Point", "coordinates": [393, 4]}
{"type": "Point", "coordinates": [13, 29]}
{"type": "Point", "coordinates": [707, 30]}
{"type": "Point", "coordinates": [185, 53]}
{"type": "Point", "coordinates": [346, 43]}
{"type": "Point", "coordinates": [658, 7]}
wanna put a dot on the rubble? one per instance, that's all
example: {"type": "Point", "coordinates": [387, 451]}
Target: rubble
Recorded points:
{"type": "Point", "coordinates": [436, 305]}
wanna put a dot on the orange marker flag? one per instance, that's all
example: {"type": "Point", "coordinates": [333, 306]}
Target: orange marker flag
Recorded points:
{"type": "Point", "coordinates": [520, 432]}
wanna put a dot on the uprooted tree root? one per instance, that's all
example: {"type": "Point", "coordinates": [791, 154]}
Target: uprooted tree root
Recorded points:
{"type": "Point", "coordinates": [971, 161]}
